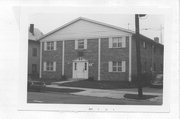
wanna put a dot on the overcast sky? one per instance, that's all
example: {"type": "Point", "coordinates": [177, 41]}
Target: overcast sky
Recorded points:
{"type": "Point", "coordinates": [152, 23]}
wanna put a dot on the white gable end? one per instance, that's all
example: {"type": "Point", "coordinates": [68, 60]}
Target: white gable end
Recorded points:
{"type": "Point", "coordinates": [84, 29]}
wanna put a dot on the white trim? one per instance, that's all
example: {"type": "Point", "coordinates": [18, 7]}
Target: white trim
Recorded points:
{"type": "Point", "coordinates": [123, 66]}
{"type": "Point", "coordinates": [110, 42]}
{"type": "Point", "coordinates": [40, 66]}
{"type": "Point", "coordinates": [54, 66]}
{"type": "Point", "coordinates": [45, 46]}
{"type": "Point", "coordinates": [44, 66]}
{"type": "Point", "coordinates": [63, 57]}
{"type": "Point", "coordinates": [99, 59]}
{"type": "Point", "coordinates": [110, 66]}
{"type": "Point", "coordinates": [130, 57]}
{"type": "Point", "coordinates": [55, 45]}
{"type": "Point", "coordinates": [85, 43]}
{"type": "Point", "coordinates": [124, 42]}
{"type": "Point", "coordinates": [76, 44]}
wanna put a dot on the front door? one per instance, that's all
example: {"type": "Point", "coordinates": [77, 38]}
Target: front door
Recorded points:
{"type": "Point", "coordinates": [80, 69]}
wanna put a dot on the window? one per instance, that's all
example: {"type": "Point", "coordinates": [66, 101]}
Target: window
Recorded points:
{"type": "Point", "coordinates": [49, 66]}
{"type": "Point", "coordinates": [34, 52]}
{"type": "Point", "coordinates": [117, 42]}
{"type": "Point", "coordinates": [85, 68]}
{"type": "Point", "coordinates": [80, 44]}
{"type": "Point", "coordinates": [117, 66]}
{"type": "Point", "coordinates": [75, 66]}
{"type": "Point", "coordinates": [34, 68]}
{"type": "Point", "coordinates": [50, 45]}
{"type": "Point", "coordinates": [144, 45]}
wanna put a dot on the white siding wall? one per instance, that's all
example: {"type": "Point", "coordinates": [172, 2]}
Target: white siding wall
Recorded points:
{"type": "Point", "coordinates": [84, 29]}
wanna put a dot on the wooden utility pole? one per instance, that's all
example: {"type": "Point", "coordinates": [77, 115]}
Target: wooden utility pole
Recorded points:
{"type": "Point", "coordinates": [138, 56]}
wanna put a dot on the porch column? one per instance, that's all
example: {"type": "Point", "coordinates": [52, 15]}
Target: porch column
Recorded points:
{"type": "Point", "coordinates": [99, 59]}
{"type": "Point", "coordinates": [63, 57]}
{"type": "Point", "coordinates": [40, 66]}
{"type": "Point", "coordinates": [130, 57]}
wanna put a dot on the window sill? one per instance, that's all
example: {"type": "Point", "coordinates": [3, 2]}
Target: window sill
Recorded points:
{"type": "Point", "coordinates": [118, 47]}
{"type": "Point", "coordinates": [116, 72]}
{"type": "Point", "coordinates": [49, 71]}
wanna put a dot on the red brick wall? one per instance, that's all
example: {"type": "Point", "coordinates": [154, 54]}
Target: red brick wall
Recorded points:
{"type": "Point", "coordinates": [147, 55]}
{"type": "Point", "coordinates": [113, 54]}
{"type": "Point", "coordinates": [53, 56]}
{"type": "Point", "coordinates": [33, 59]}
{"type": "Point", "coordinates": [90, 54]}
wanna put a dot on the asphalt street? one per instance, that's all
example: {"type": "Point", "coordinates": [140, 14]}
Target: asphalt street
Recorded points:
{"type": "Point", "coordinates": [67, 98]}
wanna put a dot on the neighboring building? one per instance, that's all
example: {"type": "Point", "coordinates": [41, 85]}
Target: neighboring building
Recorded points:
{"type": "Point", "coordinates": [86, 48]}
{"type": "Point", "coordinates": [33, 51]}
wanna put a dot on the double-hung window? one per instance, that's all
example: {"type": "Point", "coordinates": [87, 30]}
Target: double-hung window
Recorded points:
{"type": "Point", "coordinates": [117, 66]}
{"type": "Point", "coordinates": [81, 44]}
{"type": "Point", "coordinates": [50, 45]}
{"type": "Point", "coordinates": [49, 66]}
{"type": "Point", "coordinates": [34, 52]}
{"type": "Point", "coordinates": [117, 42]}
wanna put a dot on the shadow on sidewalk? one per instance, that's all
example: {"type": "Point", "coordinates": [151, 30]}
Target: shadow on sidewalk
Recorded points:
{"type": "Point", "coordinates": [135, 96]}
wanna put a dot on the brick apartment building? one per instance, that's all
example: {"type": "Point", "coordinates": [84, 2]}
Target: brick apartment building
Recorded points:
{"type": "Point", "coordinates": [86, 48]}
{"type": "Point", "coordinates": [33, 51]}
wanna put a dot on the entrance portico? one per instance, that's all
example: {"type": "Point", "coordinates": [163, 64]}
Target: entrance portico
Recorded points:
{"type": "Point", "coordinates": [80, 68]}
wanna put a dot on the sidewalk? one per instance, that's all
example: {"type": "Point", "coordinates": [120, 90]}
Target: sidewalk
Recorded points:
{"type": "Point", "coordinates": [116, 94]}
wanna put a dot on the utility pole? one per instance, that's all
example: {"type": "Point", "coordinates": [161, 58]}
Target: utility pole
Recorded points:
{"type": "Point", "coordinates": [138, 56]}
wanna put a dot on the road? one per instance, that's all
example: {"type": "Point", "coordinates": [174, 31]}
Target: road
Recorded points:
{"type": "Point", "coordinates": [67, 98]}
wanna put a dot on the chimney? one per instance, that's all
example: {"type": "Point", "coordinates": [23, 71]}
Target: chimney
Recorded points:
{"type": "Point", "coordinates": [31, 29]}
{"type": "Point", "coordinates": [156, 39]}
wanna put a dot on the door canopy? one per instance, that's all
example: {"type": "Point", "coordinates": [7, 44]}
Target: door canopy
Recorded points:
{"type": "Point", "coordinates": [80, 59]}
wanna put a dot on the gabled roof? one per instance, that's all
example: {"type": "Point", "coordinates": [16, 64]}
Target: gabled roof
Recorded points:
{"type": "Point", "coordinates": [37, 34]}
{"type": "Point", "coordinates": [89, 20]}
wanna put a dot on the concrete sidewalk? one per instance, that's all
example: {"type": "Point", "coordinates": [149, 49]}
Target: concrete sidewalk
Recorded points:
{"type": "Point", "coordinates": [116, 94]}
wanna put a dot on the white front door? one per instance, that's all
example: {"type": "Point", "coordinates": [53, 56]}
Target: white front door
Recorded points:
{"type": "Point", "coordinates": [80, 69]}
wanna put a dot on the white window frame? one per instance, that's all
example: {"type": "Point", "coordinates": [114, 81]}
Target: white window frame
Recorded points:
{"type": "Point", "coordinates": [116, 41]}
{"type": "Point", "coordinates": [116, 65]}
{"type": "Point", "coordinates": [49, 45]}
{"type": "Point", "coordinates": [82, 42]}
{"type": "Point", "coordinates": [49, 66]}
{"type": "Point", "coordinates": [144, 44]}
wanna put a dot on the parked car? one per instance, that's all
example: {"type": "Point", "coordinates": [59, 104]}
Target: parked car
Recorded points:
{"type": "Point", "coordinates": [36, 85]}
{"type": "Point", "coordinates": [157, 81]}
